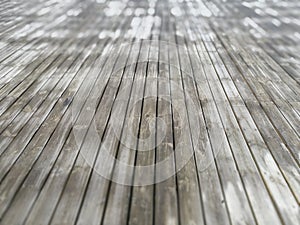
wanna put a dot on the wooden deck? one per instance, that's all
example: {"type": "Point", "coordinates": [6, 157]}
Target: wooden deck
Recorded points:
{"type": "Point", "coordinates": [149, 112]}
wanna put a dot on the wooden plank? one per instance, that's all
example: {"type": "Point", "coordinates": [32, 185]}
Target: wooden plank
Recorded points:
{"type": "Point", "coordinates": [86, 182]}
{"type": "Point", "coordinates": [215, 210]}
{"type": "Point", "coordinates": [187, 181]}
{"type": "Point", "coordinates": [166, 207]}
{"type": "Point", "coordinates": [35, 147]}
{"type": "Point", "coordinates": [141, 202]}
{"type": "Point", "coordinates": [285, 130]}
{"type": "Point", "coordinates": [266, 129]}
{"type": "Point", "coordinates": [67, 158]}
{"type": "Point", "coordinates": [215, 94]}
{"type": "Point", "coordinates": [55, 183]}
{"type": "Point", "coordinates": [261, 161]}
{"type": "Point", "coordinates": [231, 179]}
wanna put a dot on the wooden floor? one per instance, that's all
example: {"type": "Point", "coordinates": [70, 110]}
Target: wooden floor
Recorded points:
{"type": "Point", "coordinates": [149, 112]}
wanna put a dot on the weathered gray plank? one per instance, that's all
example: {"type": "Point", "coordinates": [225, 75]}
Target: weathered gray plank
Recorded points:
{"type": "Point", "coordinates": [228, 74]}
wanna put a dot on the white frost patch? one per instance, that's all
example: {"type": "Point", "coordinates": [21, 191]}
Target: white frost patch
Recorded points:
{"type": "Point", "coordinates": [259, 12]}
{"type": "Point", "coordinates": [39, 33]}
{"type": "Point", "coordinates": [286, 20]}
{"type": "Point", "coordinates": [297, 35]}
{"type": "Point", "coordinates": [178, 33]}
{"type": "Point", "coordinates": [60, 19]}
{"type": "Point", "coordinates": [271, 12]}
{"type": "Point", "coordinates": [286, 201]}
{"type": "Point", "coordinates": [271, 165]}
{"type": "Point", "coordinates": [157, 20]}
{"type": "Point", "coordinates": [151, 11]}
{"type": "Point", "coordinates": [176, 11]}
{"type": "Point", "coordinates": [128, 12]}
{"type": "Point", "coordinates": [234, 203]}
{"type": "Point", "coordinates": [109, 34]}
{"type": "Point", "coordinates": [114, 8]}
{"type": "Point", "coordinates": [60, 34]}
{"type": "Point", "coordinates": [205, 12]}
{"type": "Point", "coordinates": [296, 21]}
{"type": "Point", "coordinates": [43, 11]}
{"type": "Point", "coordinates": [135, 22]}
{"type": "Point", "coordinates": [139, 12]}
{"type": "Point", "coordinates": [247, 4]}
{"type": "Point", "coordinates": [27, 29]}
{"type": "Point", "coordinates": [250, 22]}
{"type": "Point", "coordinates": [201, 10]}
{"type": "Point", "coordinates": [74, 12]}
{"type": "Point", "coordinates": [171, 221]}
